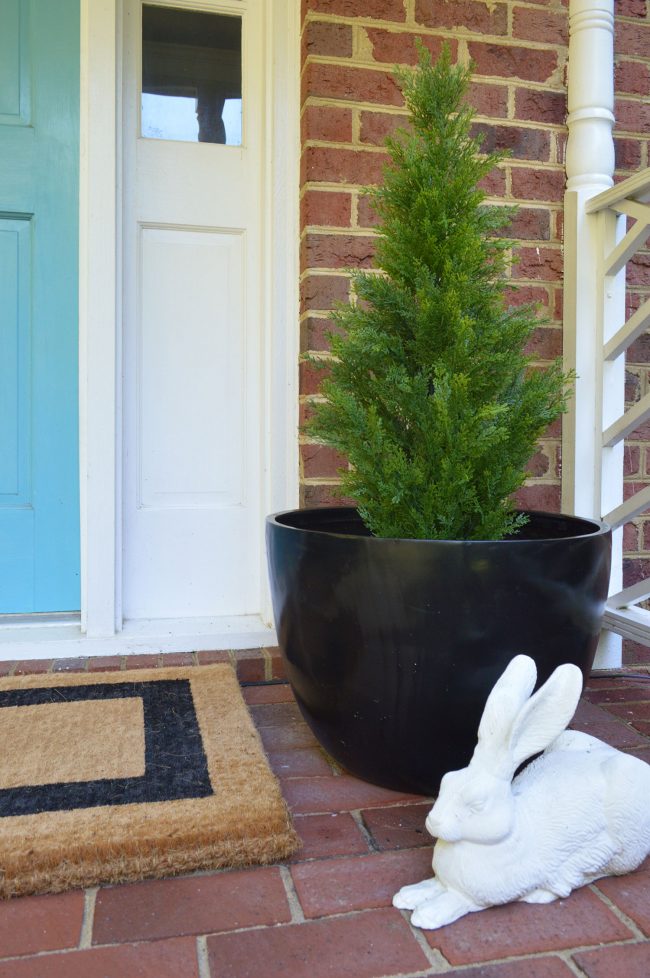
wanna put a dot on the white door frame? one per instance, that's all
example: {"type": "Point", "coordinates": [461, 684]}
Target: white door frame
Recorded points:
{"type": "Point", "coordinates": [100, 274]}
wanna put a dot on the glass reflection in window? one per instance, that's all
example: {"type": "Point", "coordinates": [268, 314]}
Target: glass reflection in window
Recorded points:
{"type": "Point", "coordinates": [191, 76]}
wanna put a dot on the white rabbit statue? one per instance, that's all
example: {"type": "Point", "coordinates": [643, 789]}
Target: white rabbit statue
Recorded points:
{"type": "Point", "coordinates": [578, 812]}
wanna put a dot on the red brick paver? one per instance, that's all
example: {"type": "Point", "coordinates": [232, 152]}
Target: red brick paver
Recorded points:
{"type": "Point", "coordinates": [550, 967]}
{"type": "Point", "coordinates": [365, 945]}
{"type": "Point", "coordinates": [401, 827]}
{"type": "Point", "coordinates": [326, 913]}
{"type": "Point", "coordinates": [631, 961]}
{"type": "Point", "coordinates": [192, 905]}
{"type": "Point", "coordinates": [323, 836]}
{"type": "Point", "coordinates": [162, 959]}
{"type": "Point", "coordinates": [522, 928]}
{"type": "Point", "coordinates": [40, 923]}
{"type": "Point", "coordinates": [631, 894]}
{"type": "Point", "coordinates": [335, 886]}
{"type": "Point", "coordinates": [306, 762]}
{"type": "Point", "coordinates": [342, 793]}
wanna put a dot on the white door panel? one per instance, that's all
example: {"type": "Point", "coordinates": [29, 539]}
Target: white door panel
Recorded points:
{"type": "Point", "coordinates": [189, 458]}
{"type": "Point", "coordinates": [192, 371]}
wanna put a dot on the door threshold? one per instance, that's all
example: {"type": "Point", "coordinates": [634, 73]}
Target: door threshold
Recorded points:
{"type": "Point", "coordinates": [64, 640]}
{"type": "Point", "coordinates": [43, 619]}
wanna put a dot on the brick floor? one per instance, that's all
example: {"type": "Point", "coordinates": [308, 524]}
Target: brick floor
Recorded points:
{"type": "Point", "coordinates": [326, 912]}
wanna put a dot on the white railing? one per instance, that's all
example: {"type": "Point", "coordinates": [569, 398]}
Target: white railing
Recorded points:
{"type": "Point", "coordinates": [596, 333]}
{"type": "Point", "coordinates": [629, 200]}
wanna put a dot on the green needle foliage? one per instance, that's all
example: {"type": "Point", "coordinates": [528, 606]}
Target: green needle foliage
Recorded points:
{"type": "Point", "coordinates": [430, 394]}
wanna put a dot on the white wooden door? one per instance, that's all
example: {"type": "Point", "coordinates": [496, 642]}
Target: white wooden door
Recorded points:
{"type": "Point", "coordinates": [192, 308]}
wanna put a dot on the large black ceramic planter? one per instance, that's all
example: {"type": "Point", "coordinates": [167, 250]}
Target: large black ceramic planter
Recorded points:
{"type": "Point", "coordinates": [392, 646]}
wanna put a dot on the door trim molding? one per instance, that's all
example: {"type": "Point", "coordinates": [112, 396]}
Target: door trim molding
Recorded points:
{"type": "Point", "coordinates": [99, 320]}
{"type": "Point", "coordinates": [101, 301]}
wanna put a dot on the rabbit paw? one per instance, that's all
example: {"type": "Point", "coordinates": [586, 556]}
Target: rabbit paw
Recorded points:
{"type": "Point", "coordinates": [409, 897]}
{"type": "Point", "coordinates": [539, 896]}
{"type": "Point", "coordinates": [442, 909]}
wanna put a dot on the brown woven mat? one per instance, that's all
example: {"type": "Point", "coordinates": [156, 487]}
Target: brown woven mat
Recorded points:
{"type": "Point", "coordinates": [121, 776]}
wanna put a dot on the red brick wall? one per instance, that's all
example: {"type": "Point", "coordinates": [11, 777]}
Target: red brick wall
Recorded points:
{"type": "Point", "coordinates": [350, 102]}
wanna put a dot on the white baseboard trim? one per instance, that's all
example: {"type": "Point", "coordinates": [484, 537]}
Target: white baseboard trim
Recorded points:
{"type": "Point", "coordinates": [63, 641]}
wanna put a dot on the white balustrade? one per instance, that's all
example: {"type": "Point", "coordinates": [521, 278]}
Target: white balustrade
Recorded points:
{"type": "Point", "coordinates": [596, 334]}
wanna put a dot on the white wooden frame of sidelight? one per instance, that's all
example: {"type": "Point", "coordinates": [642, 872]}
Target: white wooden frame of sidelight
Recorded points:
{"type": "Point", "coordinates": [100, 629]}
{"type": "Point", "coordinates": [596, 334]}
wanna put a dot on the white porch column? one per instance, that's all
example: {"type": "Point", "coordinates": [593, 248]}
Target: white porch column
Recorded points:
{"type": "Point", "coordinates": [592, 479]}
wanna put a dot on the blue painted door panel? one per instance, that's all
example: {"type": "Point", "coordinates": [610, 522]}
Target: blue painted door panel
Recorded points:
{"type": "Point", "coordinates": [39, 149]}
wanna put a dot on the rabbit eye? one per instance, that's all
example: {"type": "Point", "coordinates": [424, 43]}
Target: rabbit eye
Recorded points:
{"type": "Point", "coordinates": [477, 804]}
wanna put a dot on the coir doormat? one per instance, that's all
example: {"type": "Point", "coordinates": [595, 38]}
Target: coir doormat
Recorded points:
{"type": "Point", "coordinates": [121, 776]}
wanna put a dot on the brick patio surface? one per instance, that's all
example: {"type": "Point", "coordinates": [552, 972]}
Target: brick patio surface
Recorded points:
{"type": "Point", "coordinates": [326, 913]}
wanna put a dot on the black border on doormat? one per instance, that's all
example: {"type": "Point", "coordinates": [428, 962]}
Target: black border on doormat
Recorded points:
{"type": "Point", "coordinates": [175, 762]}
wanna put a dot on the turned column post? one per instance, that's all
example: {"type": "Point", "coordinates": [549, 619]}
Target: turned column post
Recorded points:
{"type": "Point", "coordinates": [594, 305]}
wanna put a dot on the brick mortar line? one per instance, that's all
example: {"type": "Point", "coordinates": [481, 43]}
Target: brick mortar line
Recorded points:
{"type": "Point", "coordinates": [434, 955]}
{"type": "Point", "coordinates": [339, 231]}
{"type": "Point", "coordinates": [511, 120]}
{"type": "Point", "coordinates": [344, 273]}
{"type": "Point", "coordinates": [531, 203]}
{"type": "Point", "coordinates": [322, 102]}
{"type": "Point", "coordinates": [367, 835]}
{"type": "Point", "coordinates": [317, 16]}
{"type": "Point", "coordinates": [460, 34]}
{"type": "Point", "coordinates": [447, 33]}
{"type": "Point", "coordinates": [567, 957]}
{"type": "Point", "coordinates": [88, 919]}
{"type": "Point", "coordinates": [381, 149]}
{"type": "Point", "coordinates": [516, 163]}
{"type": "Point", "coordinates": [634, 21]}
{"type": "Point", "coordinates": [564, 953]}
{"type": "Point", "coordinates": [387, 68]}
{"type": "Point", "coordinates": [202, 957]}
{"type": "Point", "coordinates": [268, 664]}
{"type": "Point", "coordinates": [332, 144]}
{"type": "Point", "coordinates": [343, 230]}
{"type": "Point", "coordinates": [295, 907]}
{"type": "Point", "coordinates": [622, 916]}
{"type": "Point", "coordinates": [644, 700]}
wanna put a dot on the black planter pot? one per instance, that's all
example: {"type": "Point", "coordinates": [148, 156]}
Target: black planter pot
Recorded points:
{"type": "Point", "coordinates": [392, 646]}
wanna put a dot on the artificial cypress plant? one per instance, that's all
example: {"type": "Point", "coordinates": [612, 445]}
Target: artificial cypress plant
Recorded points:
{"type": "Point", "coordinates": [430, 394]}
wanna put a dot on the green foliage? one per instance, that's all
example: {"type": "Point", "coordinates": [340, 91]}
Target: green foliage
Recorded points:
{"type": "Point", "coordinates": [430, 395]}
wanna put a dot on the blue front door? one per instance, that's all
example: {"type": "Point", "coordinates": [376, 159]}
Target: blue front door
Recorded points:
{"type": "Point", "coordinates": [39, 150]}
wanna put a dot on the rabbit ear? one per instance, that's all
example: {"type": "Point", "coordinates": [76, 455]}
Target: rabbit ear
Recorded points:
{"type": "Point", "coordinates": [509, 694]}
{"type": "Point", "coordinates": [546, 714]}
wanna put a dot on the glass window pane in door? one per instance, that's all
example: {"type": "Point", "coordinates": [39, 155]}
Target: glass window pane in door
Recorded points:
{"type": "Point", "coordinates": [191, 76]}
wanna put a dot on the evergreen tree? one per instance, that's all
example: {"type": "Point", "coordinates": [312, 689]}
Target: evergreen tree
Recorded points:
{"type": "Point", "coordinates": [430, 395]}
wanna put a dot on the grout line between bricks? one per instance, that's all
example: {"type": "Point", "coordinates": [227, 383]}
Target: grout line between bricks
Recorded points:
{"type": "Point", "coordinates": [297, 915]}
{"type": "Point", "coordinates": [569, 961]}
{"type": "Point", "coordinates": [202, 957]}
{"type": "Point", "coordinates": [268, 664]}
{"type": "Point", "coordinates": [88, 919]}
{"type": "Point", "coordinates": [434, 956]}
{"type": "Point", "coordinates": [622, 916]}
{"type": "Point", "coordinates": [358, 818]}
